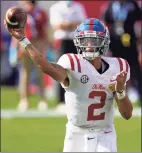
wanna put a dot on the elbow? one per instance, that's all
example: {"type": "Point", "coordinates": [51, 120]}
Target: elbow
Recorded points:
{"type": "Point", "coordinates": [127, 115]}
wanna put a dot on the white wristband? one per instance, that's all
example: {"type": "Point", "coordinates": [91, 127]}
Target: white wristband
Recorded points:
{"type": "Point", "coordinates": [24, 42]}
{"type": "Point", "coordinates": [121, 95]}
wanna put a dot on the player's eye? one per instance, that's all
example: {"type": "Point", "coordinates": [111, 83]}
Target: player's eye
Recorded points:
{"type": "Point", "coordinates": [92, 42]}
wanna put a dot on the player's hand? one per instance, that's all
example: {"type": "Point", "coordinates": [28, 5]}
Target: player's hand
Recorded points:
{"type": "Point", "coordinates": [121, 79]}
{"type": "Point", "coordinates": [17, 33]}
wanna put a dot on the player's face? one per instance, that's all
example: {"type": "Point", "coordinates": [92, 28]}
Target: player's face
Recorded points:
{"type": "Point", "coordinates": [91, 43]}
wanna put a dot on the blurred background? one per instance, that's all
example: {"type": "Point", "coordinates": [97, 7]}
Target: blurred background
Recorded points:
{"type": "Point", "coordinates": [32, 103]}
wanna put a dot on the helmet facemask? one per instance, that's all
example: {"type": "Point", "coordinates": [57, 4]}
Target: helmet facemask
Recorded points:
{"type": "Point", "coordinates": [91, 45]}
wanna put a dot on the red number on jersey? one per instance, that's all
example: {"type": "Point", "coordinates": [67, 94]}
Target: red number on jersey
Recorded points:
{"type": "Point", "coordinates": [92, 107]}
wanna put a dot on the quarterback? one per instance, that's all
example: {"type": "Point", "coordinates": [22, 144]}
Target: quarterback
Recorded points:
{"type": "Point", "coordinates": [91, 82]}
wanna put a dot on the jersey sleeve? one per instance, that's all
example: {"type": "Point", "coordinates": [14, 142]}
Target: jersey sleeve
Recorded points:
{"type": "Point", "coordinates": [70, 61]}
{"type": "Point", "coordinates": [124, 66]}
{"type": "Point", "coordinates": [127, 69]}
{"type": "Point", "coordinates": [64, 61]}
{"type": "Point", "coordinates": [72, 64]}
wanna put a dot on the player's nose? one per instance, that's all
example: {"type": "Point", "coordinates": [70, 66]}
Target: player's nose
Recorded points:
{"type": "Point", "coordinates": [89, 44]}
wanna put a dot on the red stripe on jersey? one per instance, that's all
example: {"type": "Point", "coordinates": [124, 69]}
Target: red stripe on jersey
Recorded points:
{"type": "Point", "coordinates": [127, 65]}
{"type": "Point", "coordinates": [71, 61]}
{"type": "Point", "coordinates": [91, 24]}
{"type": "Point", "coordinates": [120, 63]}
{"type": "Point", "coordinates": [78, 63]}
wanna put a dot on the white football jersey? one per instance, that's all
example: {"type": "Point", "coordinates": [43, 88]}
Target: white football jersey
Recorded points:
{"type": "Point", "coordinates": [89, 97]}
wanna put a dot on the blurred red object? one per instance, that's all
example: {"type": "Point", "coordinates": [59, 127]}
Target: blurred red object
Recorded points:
{"type": "Point", "coordinates": [94, 8]}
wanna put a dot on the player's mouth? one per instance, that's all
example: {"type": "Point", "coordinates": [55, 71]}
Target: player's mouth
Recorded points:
{"type": "Point", "coordinates": [90, 49]}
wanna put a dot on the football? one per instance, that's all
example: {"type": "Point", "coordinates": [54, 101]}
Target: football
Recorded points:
{"type": "Point", "coordinates": [15, 17]}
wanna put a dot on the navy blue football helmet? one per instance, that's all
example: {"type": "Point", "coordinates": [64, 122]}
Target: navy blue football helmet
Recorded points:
{"type": "Point", "coordinates": [91, 38]}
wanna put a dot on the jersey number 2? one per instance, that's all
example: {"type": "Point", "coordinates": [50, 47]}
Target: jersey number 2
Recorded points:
{"type": "Point", "coordinates": [93, 107]}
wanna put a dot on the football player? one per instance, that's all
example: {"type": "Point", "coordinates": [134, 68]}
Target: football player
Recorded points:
{"type": "Point", "coordinates": [91, 82]}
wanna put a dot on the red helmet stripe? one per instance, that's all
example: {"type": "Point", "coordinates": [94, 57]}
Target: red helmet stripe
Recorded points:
{"type": "Point", "coordinates": [91, 24]}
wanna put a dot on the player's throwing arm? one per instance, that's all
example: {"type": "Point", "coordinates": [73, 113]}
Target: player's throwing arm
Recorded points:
{"type": "Point", "coordinates": [15, 20]}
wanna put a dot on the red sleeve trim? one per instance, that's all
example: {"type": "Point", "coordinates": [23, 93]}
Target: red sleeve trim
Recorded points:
{"type": "Point", "coordinates": [78, 63]}
{"type": "Point", "coordinates": [71, 61]}
{"type": "Point", "coordinates": [120, 64]}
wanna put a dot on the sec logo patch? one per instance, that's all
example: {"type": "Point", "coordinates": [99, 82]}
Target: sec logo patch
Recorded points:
{"type": "Point", "coordinates": [84, 79]}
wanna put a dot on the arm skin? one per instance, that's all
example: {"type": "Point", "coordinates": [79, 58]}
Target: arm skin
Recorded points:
{"type": "Point", "coordinates": [125, 107]}
{"type": "Point", "coordinates": [56, 71]}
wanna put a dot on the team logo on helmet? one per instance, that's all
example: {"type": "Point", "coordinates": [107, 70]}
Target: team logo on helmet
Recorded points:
{"type": "Point", "coordinates": [84, 79]}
